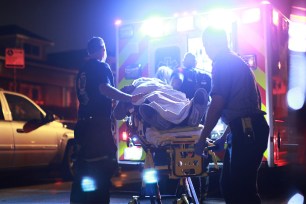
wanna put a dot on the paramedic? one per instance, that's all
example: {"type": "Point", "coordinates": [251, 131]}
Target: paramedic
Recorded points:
{"type": "Point", "coordinates": [95, 150]}
{"type": "Point", "coordinates": [187, 79]}
{"type": "Point", "coordinates": [236, 99]}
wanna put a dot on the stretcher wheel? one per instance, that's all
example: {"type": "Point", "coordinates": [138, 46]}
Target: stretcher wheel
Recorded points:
{"type": "Point", "coordinates": [182, 200]}
{"type": "Point", "coordinates": [134, 200]}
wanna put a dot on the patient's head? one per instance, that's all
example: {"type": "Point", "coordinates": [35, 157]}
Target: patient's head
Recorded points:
{"type": "Point", "coordinates": [164, 73]}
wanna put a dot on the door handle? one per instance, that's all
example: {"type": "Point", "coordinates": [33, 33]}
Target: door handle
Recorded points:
{"type": "Point", "coordinates": [19, 130]}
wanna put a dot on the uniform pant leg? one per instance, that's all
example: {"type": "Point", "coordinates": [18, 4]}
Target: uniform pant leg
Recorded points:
{"type": "Point", "coordinates": [97, 189]}
{"type": "Point", "coordinates": [225, 185]}
{"type": "Point", "coordinates": [245, 160]}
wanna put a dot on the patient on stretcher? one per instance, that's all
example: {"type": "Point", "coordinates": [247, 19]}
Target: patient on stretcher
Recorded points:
{"type": "Point", "coordinates": [163, 107]}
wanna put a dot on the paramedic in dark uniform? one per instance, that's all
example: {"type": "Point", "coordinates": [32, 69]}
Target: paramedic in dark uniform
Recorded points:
{"type": "Point", "coordinates": [95, 149]}
{"type": "Point", "coordinates": [236, 99]}
{"type": "Point", "coordinates": [187, 79]}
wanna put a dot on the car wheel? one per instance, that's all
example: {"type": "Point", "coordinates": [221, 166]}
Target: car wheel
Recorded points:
{"type": "Point", "coordinates": [67, 165]}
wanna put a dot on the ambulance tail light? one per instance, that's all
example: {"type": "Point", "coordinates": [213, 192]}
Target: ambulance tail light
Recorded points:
{"type": "Point", "coordinates": [124, 136]}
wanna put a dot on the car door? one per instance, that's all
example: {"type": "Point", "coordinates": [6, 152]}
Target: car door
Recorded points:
{"type": "Point", "coordinates": [34, 147]}
{"type": "Point", "coordinates": [6, 139]}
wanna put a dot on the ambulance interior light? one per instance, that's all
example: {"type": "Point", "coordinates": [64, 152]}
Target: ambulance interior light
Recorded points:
{"type": "Point", "coordinates": [133, 71]}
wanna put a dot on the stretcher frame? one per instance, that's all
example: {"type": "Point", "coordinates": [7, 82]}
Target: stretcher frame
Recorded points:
{"type": "Point", "coordinates": [183, 165]}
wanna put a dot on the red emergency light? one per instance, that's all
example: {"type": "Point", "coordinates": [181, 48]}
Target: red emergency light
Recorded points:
{"type": "Point", "coordinates": [124, 136]}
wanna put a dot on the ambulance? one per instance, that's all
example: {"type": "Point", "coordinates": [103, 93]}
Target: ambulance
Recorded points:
{"type": "Point", "coordinates": [259, 33]}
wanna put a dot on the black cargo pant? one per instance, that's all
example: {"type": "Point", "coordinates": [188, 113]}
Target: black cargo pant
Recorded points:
{"type": "Point", "coordinates": [92, 180]}
{"type": "Point", "coordinates": [242, 161]}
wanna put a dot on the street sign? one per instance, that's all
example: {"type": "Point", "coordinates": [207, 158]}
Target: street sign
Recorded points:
{"type": "Point", "coordinates": [14, 58]}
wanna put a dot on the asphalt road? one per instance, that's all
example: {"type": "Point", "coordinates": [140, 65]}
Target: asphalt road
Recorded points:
{"type": "Point", "coordinates": [276, 186]}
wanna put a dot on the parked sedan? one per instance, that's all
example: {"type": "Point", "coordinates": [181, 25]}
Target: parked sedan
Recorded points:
{"type": "Point", "coordinates": [30, 137]}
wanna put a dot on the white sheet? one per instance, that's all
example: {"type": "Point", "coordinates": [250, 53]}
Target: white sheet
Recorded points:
{"type": "Point", "coordinates": [171, 104]}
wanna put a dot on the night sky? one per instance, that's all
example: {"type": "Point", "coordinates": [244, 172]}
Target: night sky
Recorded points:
{"type": "Point", "coordinates": [70, 23]}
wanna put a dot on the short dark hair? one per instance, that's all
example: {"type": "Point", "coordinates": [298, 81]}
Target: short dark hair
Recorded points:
{"type": "Point", "coordinates": [189, 60]}
{"type": "Point", "coordinates": [215, 35]}
{"type": "Point", "coordinates": [95, 44]}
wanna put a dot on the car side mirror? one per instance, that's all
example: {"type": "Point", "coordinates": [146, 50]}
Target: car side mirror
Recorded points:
{"type": "Point", "coordinates": [32, 125]}
{"type": "Point", "coordinates": [35, 123]}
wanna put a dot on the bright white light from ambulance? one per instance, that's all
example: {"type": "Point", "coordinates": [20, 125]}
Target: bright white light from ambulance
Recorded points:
{"type": "Point", "coordinates": [118, 22]}
{"type": "Point", "coordinates": [275, 17]}
{"type": "Point", "coordinates": [150, 176]}
{"type": "Point", "coordinates": [221, 18]}
{"type": "Point", "coordinates": [251, 15]}
{"type": "Point", "coordinates": [185, 23]}
{"type": "Point", "coordinates": [295, 98]}
{"type": "Point", "coordinates": [297, 81]}
{"type": "Point", "coordinates": [153, 27]}
{"type": "Point", "coordinates": [297, 37]}
{"type": "Point", "coordinates": [133, 153]}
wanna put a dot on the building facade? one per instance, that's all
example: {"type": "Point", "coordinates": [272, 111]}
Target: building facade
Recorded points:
{"type": "Point", "coordinates": [49, 85]}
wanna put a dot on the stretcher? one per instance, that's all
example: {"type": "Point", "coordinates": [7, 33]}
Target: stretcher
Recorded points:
{"type": "Point", "coordinates": [171, 152]}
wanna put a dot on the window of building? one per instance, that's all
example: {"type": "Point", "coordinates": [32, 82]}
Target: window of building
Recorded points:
{"type": "Point", "coordinates": [32, 91]}
{"type": "Point", "coordinates": [31, 49]}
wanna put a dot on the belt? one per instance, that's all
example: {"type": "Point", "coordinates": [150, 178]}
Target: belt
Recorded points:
{"type": "Point", "coordinates": [92, 117]}
{"type": "Point", "coordinates": [97, 159]}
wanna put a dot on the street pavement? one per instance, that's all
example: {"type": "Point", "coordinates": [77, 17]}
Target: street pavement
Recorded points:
{"type": "Point", "coordinates": [276, 185]}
